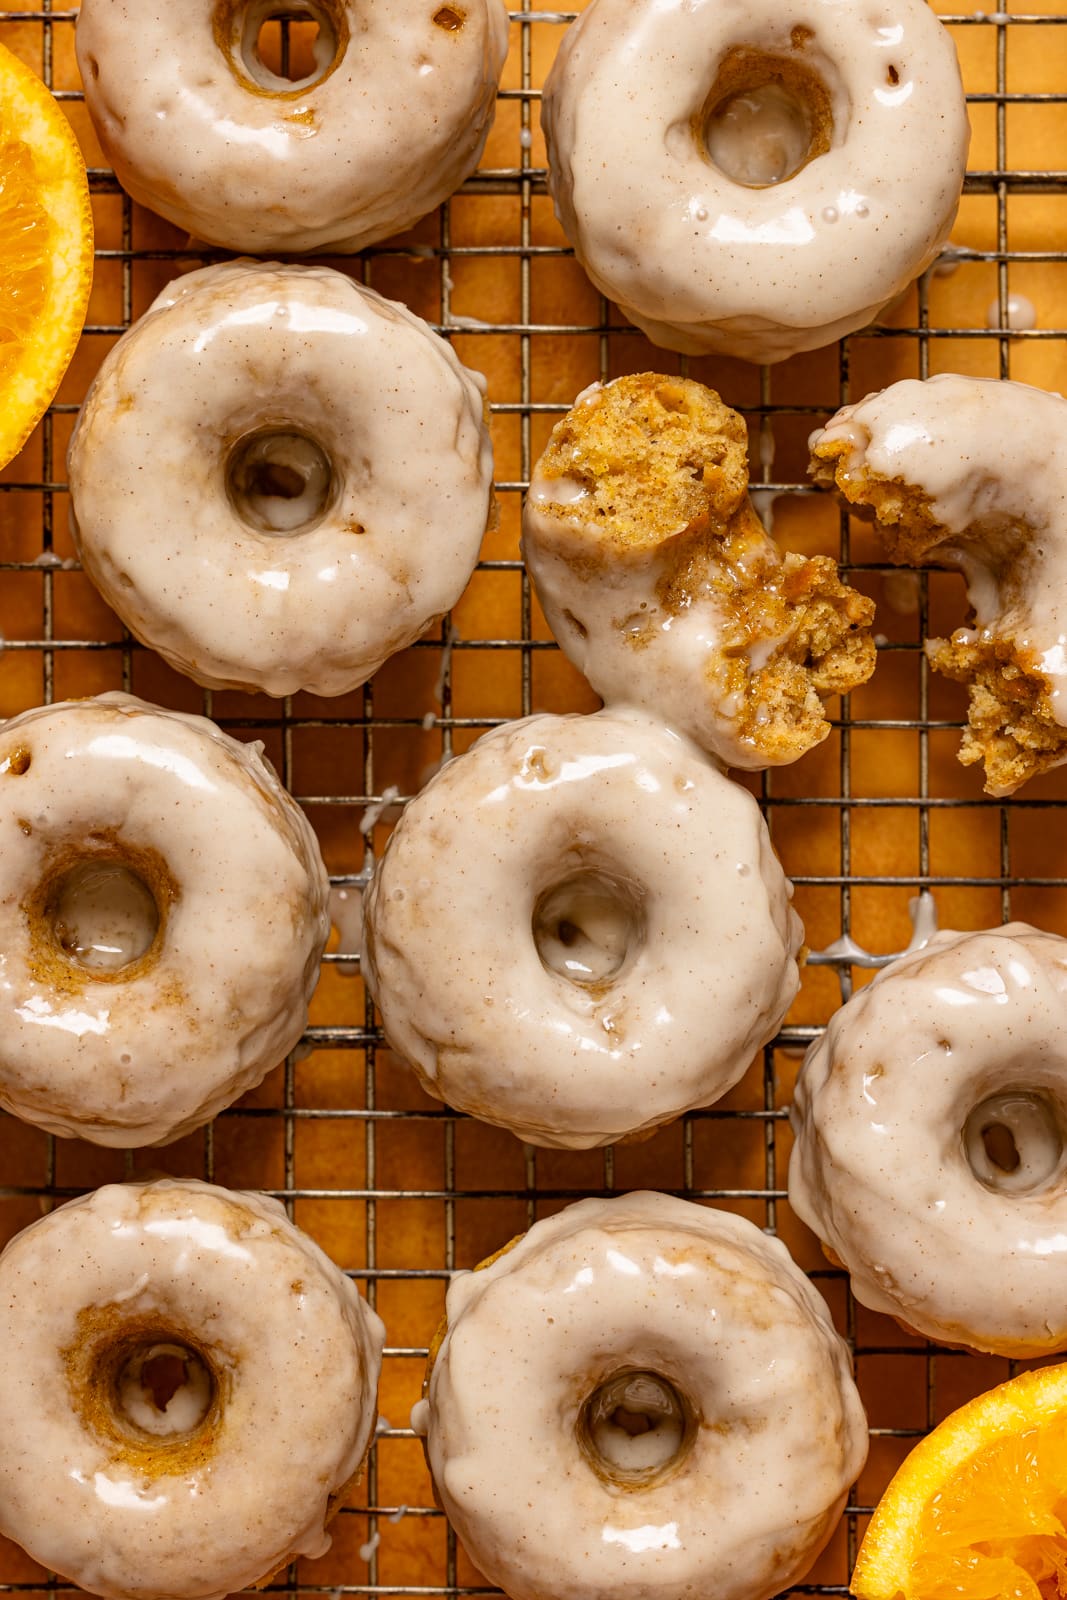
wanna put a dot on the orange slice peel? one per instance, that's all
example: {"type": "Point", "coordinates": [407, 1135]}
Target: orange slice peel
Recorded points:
{"type": "Point", "coordinates": [978, 1511]}
{"type": "Point", "coordinates": [46, 250]}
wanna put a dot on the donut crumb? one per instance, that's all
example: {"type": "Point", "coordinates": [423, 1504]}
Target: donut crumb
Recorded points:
{"type": "Point", "coordinates": [449, 19]}
{"type": "Point", "coordinates": [18, 762]}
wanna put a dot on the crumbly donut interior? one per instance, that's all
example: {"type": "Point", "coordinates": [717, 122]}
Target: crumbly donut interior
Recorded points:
{"type": "Point", "coordinates": [664, 465]}
{"type": "Point", "coordinates": [1011, 727]}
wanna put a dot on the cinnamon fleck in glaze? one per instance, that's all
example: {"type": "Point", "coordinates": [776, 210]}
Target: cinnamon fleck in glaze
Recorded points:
{"type": "Point", "coordinates": [663, 587]}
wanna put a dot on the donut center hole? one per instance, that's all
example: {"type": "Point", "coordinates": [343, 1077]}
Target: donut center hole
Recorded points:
{"type": "Point", "coordinates": [587, 927]}
{"type": "Point", "coordinates": [280, 481]}
{"type": "Point", "coordinates": [634, 1427]}
{"type": "Point", "coordinates": [1014, 1142]}
{"type": "Point", "coordinates": [104, 916]}
{"type": "Point", "coordinates": [281, 46]}
{"type": "Point", "coordinates": [164, 1389]}
{"type": "Point", "coordinates": [765, 119]}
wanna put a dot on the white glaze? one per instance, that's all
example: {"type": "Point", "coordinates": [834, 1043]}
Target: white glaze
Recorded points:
{"type": "Point", "coordinates": [296, 1353]}
{"type": "Point", "coordinates": [389, 133]}
{"type": "Point", "coordinates": [991, 458]}
{"type": "Point", "coordinates": [451, 959]}
{"type": "Point", "coordinates": [221, 354]}
{"type": "Point", "coordinates": [143, 1058]}
{"type": "Point", "coordinates": [1020, 313]}
{"type": "Point", "coordinates": [879, 1169]}
{"type": "Point", "coordinates": [702, 263]}
{"type": "Point", "coordinates": [711, 1304]}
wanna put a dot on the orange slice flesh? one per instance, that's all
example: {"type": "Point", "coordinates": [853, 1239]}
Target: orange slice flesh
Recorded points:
{"type": "Point", "coordinates": [46, 250]}
{"type": "Point", "coordinates": [978, 1511]}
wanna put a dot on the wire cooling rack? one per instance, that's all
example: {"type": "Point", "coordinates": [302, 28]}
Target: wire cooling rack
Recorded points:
{"type": "Point", "coordinates": [400, 1191]}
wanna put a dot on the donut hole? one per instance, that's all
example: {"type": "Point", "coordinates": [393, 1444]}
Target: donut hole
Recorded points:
{"type": "Point", "coordinates": [635, 1428]}
{"type": "Point", "coordinates": [1014, 1142]}
{"type": "Point", "coordinates": [165, 1389]}
{"type": "Point", "coordinates": [291, 49]}
{"type": "Point", "coordinates": [588, 927]}
{"type": "Point", "coordinates": [281, 46]}
{"type": "Point", "coordinates": [103, 916]}
{"type": "Point", "coordinates": [765, 119]}
{"type": "Point", "coordinates": [280, 481]}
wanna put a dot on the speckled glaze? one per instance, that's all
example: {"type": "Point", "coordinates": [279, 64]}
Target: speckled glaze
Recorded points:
{"type": "Point", "coordinates": [143, 1055]}
{"type": "Point", "coordinates": [452, 962]}
{"type": "Point", "coordinates": [222, 354]}
{"type": "Point", "coordinates": [199, 131]}
{"type": "Point", "coordinates": [698, 1296]}
{"type": "Point", "coordinates": [991, 458]}
{"type": "Point", "coordinates": [704, 264]}
{"type": "Point", "coordinates": [880, 1170]}
{"type": "Point", "coordinates": [295, 1354]}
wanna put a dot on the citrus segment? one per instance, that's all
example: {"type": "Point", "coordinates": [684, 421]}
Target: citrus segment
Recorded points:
{"type": "Point", "coordinates": [978, 1511]}
{"type": "Point", "coordinates": [46, 250]}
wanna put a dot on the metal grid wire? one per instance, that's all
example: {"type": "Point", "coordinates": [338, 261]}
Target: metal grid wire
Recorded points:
{"type": "Point", "coordinates": [401, 1191]}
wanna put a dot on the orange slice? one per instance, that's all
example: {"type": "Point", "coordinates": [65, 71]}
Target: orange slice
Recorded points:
{"type": "Point", "coordinates": [46, 250]}
{"type": "Point", "coordinates": [978, 1511]}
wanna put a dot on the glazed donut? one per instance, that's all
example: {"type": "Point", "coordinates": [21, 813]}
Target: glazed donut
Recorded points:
{"type": "Point", "coordinates": [187, 1391]}
{"type": "Point", "coordinates": [660, 583]}
{"type": "Point", "coordinates": [969, 472]}
{"type": "Point", "coordinates": [391, 119]}
{"type": "Point", "coordinates": [755, 180]}
{"type": "Point", "coordinates": [931, 1125]}
{"type": "Point", "coordinates": [162, 915]}
{"type": "Point", "coordinates": [686, 1321]}
{"type": "Point", "coordinates": [558, 914]}
{"type": "Point", "coordinates": [325, 465]}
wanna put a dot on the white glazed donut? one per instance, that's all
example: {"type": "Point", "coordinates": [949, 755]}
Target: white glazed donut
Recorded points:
{"type": "Point", "coordinates": [392, 119]}
{"type": "Point", "coordinates": [557, 916]}
{"type": "Point", "coordinates": [325, 467]}
{"type": "Point", "coordinates": [162, 915]}
{"type": "Point", "coordinates": [663, 587]}
{"type": "Point", "coordinates": [755, 180]}
{"type": "Point", "coordinates": [187, 1390]}
{"type": "Point", "coordinates": [689, 1320]}
{"type": "Point", "coordinates": [972, 473]}
{"type": "Point", "coordinates": [931, 1128]}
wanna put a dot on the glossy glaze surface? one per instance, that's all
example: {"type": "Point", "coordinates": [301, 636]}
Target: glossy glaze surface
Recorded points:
{"type": "Point", "coordinates": [222, 355]}
{"type": "Point", "coordinates": [880, 1167]}
{"type": "Point", "coordinates": [712, 1305]}
{"type": "Point", "coordinates": [198, 131]}
{"type": "Point", "coordinates": [142, 1055]}
{"type": "Point", "coordinates": [705, 264]}
{"type": "Point", "coordinates": [989, 459]}
{"type": "Point", "coordinates": [707, 930]}
{"type": "Point", "coordinates": [295, 1355]}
